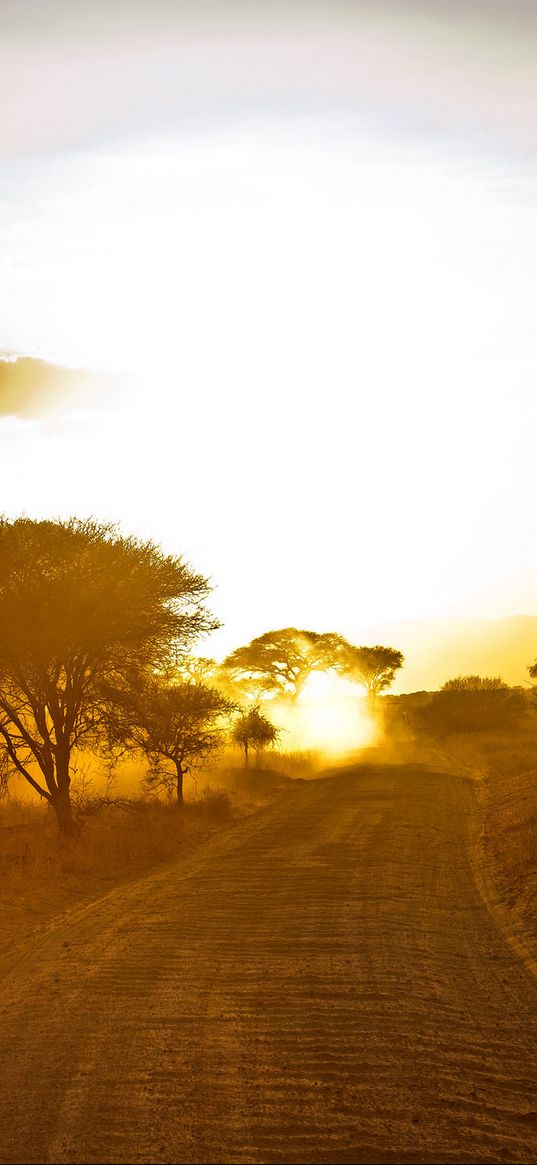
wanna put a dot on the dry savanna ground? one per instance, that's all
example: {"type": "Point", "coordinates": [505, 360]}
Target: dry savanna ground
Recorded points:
{"type": "Point", "coordinates": [41, 876]}
{"type": "Point", "coordinates": [501, 762]}
{"type": "Point", "coordinates": [503, 767]}
{"type": "Point", "coordinates": [335, 969]}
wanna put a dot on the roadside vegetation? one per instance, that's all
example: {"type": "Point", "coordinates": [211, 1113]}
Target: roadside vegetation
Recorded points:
{"type": "Point", "coordinates": [480, 728]}
{"type": "Point", "coordinates": [41, 877]}
{"type": "Point", "coordinates": [101, 669]}
{"type": "Point", "coordinates": [98, 657]}
{"type": "Point", "coordinates": [122, 837]}
{"type": "Point", "coordinates": [102, 673]}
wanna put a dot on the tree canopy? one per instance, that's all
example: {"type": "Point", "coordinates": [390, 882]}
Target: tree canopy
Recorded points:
{"type": "Point", "coordinates": [253, 730]}
{"type": "Point", "coordinates": [194, 669]}
{"type": "Point", "coordinates": [280, 662]}
{"type": "Point", "coordinates": [373, 667]}
{"type": "Point", "coordinates": [80, 607]}
{"type": "Point", "coordinates": [176, 726]}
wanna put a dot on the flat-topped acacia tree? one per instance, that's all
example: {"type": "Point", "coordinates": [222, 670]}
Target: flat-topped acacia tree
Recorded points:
{"type": "Point", "coordinates": [81, 607]}
{"type": "Point", "coordinates": [372, 667]}
{"type": "Point", "coordinates": [280, 662]}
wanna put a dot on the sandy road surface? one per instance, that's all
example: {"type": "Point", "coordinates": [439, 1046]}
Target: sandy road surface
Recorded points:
{"type": "Point", "coordinates": [321, 984]}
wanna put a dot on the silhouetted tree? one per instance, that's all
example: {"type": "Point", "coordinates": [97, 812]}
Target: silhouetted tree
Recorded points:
{"type": "Point", "coordinates": [80, 608]}
{"type": "Point", "coordinates": [193, 669]}
{"type": "Point", "coordinates": [373, 667]}
{"type": "Point", "coordinates": [176, 727]}
{"type": "Point", "coordinates": [280, 662]}
{"type": "Point", "coordinates": [474, 703]}
{"type": "Point", "coordinates": [253, 730]}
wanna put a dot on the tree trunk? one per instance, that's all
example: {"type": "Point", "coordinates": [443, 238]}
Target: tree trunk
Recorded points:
{"type": "Point", "coordinates": [371, 697]}
{"type": "Point", "coordinates": [179, 783]}
{"type": "Point", "coordinates": [246, 754]}
{"type": "Point", "coordinates": [299, 685]}
{"type": "Point", "coordinates": [61, 798]}
{"type": "Point", "coordinates": [61, 803]}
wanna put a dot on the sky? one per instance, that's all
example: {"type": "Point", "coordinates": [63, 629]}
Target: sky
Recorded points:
{"type": "Point", "coordinates": [296, 244]}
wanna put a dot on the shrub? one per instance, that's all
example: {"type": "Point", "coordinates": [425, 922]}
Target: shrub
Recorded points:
{"type": "Point", "coordinates": [474, 704]}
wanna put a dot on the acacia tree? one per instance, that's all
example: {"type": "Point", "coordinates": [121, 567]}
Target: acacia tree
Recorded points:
{"type": "Point", "coordinates": [175, 726]}
{"type": "Point", "coordinates": [280, 662]}
{"type": "Point", "coordinates": [80, 608]}
{"type": "Point", "coordinates": [372, 667]}
{"type": "Point", "coordinates": [193, 669]}
{"type": "Point", "coordinates": [253, 730]}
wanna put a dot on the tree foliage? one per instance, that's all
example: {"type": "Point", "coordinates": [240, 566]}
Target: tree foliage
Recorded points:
{"type": "Point", "coordinates": [175, 726]}
{"type": "Point", "coordinates": [80, 607]}
{"type": "Point", "coordinates": [192, 669]}
{"type": "Point", "coordinates": [372, 667]}
{"type": "Point", "coordinates": [254, 731]}
{"type": "Point", "coordinates": [280, 662]}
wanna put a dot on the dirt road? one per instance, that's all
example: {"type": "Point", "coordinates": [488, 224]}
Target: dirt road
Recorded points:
{"type": "Point", "coordinates": [322, 983]}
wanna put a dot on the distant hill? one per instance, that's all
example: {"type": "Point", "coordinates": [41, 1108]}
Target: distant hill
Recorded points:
{"type": "Point", "coordinates": [436, 650]}
{"type": "Point", "coordinates": [34, 388]}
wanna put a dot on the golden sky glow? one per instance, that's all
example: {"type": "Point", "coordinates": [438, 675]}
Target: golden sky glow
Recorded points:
{"type": "Point", "coordinates": [323, 279]}
{"type": "Point", "coordinates": [326, 716]}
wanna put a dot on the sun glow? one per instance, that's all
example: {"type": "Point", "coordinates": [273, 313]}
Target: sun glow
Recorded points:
{"type": "Point", "coordinates": [328, 716]}
{"type": "Point", "coordinates": [133, 257]}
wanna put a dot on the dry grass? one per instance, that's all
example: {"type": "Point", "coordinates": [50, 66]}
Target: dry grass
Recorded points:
{"type": "Point", "coordinates": [267, 776]}
{"type": "Point", "coordinates": [285, 763]}
{"type": "Point", "coordinates": [42, 875]}
{"type": "Point", "coordinates": [292, 763]}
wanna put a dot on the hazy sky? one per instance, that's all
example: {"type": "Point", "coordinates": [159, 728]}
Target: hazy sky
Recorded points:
{"type": "Point", "coordinates": [309, 231]}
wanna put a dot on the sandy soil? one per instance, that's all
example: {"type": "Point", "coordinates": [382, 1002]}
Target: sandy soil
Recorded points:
{"type": "Point", "coordinates": [322, 983]}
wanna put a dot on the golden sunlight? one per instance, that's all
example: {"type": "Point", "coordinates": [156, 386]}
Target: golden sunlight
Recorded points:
{"type": "Point", "coordinates": [327, 716]}
{"type": "Point", "coordinates": [268, 581]}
